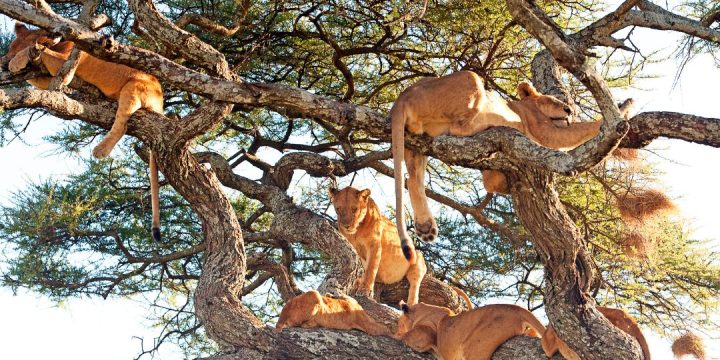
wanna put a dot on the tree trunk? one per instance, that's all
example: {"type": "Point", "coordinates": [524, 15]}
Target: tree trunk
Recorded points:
{"type": "Point", "coordinates": [568, 273]}
{"type": "Point", "coordinates": [217, 301]}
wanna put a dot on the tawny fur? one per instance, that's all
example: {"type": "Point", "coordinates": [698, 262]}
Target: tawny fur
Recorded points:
{"type": "Point", "coordinates": [643, 204]}
{"type": "Point", "coordinates": [470, 335]}
{"type": "Point", "coordinates": [457, 104]}
{"type": "Point", "coordinates": [133, 89]}
{"type": "Point", "coordinates": [626, 154]}
{"type": "Point", "coordinates": [376, 241]}
{"type": "Point", "coordinates": [313, 310]}
{"type": "Point", "coordinates": [551, 343]}
{"type": "Point", "coordinates": [689, 344]}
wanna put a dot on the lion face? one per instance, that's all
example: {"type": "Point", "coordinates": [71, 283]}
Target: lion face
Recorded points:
{"type": "Point", "coordinates": [405, 322]}
{"type": "Point", "coordinates": [351, 207]}
{"type": "Point", "coordinates": [557, 111]}
{"type": "Point", "coordinates": [420, 314]}
{"type": "Point", "coordinates": [25, 38]}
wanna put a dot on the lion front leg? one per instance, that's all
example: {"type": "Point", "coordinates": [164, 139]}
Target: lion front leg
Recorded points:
{"type": "Point", "coordinates": [367, 282]}
{"type": "Point", "coordinates": [425, 224]}
{"type": "Point", "coordinates": [415, 275]}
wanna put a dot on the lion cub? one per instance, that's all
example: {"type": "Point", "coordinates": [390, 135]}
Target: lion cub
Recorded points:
{"type": "Point", "coordinates": [470, 335]}
{"type": "Point", "coordinates": [551, 343]}
{"type": "Point", "coordinates": [133, 90]}
{"type": "Point", "coordinates": [313, 310]}
{"type": "Point", "coordinates": [376, 240]}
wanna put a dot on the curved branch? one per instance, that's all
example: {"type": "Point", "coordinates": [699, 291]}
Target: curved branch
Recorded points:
{"type": "Point", "coordinates": [187, 44]}
{"type": "Point", "coordinates": [209, 25]}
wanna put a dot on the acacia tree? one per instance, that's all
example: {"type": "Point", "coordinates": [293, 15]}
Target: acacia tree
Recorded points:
{"type": "Point", "coordinates": [314, 81]}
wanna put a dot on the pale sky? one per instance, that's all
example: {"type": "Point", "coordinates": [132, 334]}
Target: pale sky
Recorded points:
{"type": "Point", "coordinates": [96, 329]}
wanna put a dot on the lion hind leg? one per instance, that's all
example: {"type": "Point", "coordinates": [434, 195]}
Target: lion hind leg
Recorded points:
{"type": "Point", "coordinates": [495, 182]}
{"type": "Point", "coordinates": [128, 103]}
{"type": "Point", "coordinates": [424, 222]}
{"type": "Point", "coordinates": [370, 326]}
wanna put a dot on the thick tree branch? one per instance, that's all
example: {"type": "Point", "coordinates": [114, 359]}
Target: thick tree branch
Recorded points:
{"type": "Point", "coordinates": [283, 280]}
{"type": "Point", "coordinates": [209, 25]}
{"type": "Point", "coordinates": [648, 126]}
{"type": "Point", "coordinates": [67, 70]}
{"type": "Point", "coordinates": [173, 37]}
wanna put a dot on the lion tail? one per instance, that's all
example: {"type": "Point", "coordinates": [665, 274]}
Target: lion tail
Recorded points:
{"type": "Point", "coordinates": [155, 197]}
{"type": "Point", "coordinates": [397, 119]}
{"type": "Point", "coordinates": [464, 296]}
{"type": "Point", "coordinates": [532, 326]}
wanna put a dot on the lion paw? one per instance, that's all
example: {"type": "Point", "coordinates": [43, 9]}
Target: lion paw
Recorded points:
{"type": "Point", "coordinates": [108, 42]}
{"type": "Point", "coordinates": [101, 151]}
{"type": "Point", "coordinates": [427, 231]}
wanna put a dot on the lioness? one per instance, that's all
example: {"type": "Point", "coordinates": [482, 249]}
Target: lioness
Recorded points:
{"type": "Point", "coordinates": [376, 241]}
{"type": "Point", "coordinates": [470, 335]}
{"type": "Point", "coordinates": [133, 89]}
{"type": "Point", "coordinates": [457, 104]}
{"type": "Point", "coordinates": [551, 343]}
{"type": "Point", "coordinates": [313, 310]}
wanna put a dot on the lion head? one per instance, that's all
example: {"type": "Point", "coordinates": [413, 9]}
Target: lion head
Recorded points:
{"type": "Point", "coordinates": [551, 107]}
{"type": "Point", "coordinates": [25, 38]}
{"type": "Point", "coordinates": [420, 314]}
{"type": "Point", "coordinates": [351, 207]}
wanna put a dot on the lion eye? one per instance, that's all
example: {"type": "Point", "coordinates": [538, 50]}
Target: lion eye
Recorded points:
{"type": "Point", "coordinates": [354, 209]}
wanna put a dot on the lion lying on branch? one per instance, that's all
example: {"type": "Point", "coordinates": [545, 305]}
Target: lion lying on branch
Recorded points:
{"type": "Point", "coordinates": [133, 90]}
{"type": "Point", "coordinates": [311, 310]}
{"type": "Point", "coordinates": [457, 104]}
{"type": "Point", "coordinates": [470, 335]}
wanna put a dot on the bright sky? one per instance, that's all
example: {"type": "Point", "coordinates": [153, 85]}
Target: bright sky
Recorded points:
{"type": "Point", "coordinates": [93, 328]}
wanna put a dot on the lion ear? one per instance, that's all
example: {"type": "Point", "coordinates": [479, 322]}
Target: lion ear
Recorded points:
{"type": "Point", "coordinates": [20, 28]}
{"type": "Point", "coordinates": [526, 89]}
{"type": "Point", "coordinates": [332, 191]}
{"type": "Point", "coordinates": [365, 193]}
{"type": "Point", "coordinates": [405, 308]}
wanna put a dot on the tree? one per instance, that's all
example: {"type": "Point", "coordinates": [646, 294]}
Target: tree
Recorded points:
{"type": "Point", "coordinates": [314, 81]}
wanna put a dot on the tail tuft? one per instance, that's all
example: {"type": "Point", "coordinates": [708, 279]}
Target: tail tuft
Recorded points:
{"type": "Point", "coordinates": [156, 233]}
{"type": "Point", "coordinates": [408, 250]}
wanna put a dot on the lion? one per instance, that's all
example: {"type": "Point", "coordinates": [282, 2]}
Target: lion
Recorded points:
{"type": "Point", "coordinates": [551, 343]}
{"type": "Point", "coordinates": [458, 105]}
{"type": "Point", "coordinates": [310, 310]}
{"type": "Point", "coordinates": [376, 241]}
{"type": "Point", "coordinates": [133, 90]}
{"type": "Point", "coordinates": [470, 335]}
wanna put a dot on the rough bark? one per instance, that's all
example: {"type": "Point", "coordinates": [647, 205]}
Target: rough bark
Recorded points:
{"type": "Point", "coordinates": [568, 273]}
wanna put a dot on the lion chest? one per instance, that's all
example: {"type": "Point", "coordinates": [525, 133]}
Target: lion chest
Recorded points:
{"type": "Point", "coordinates": [393, 265]}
